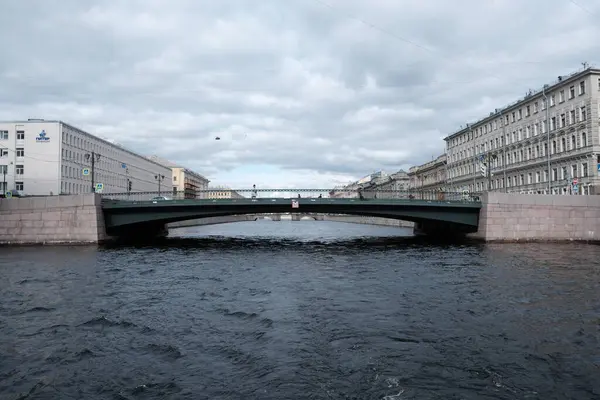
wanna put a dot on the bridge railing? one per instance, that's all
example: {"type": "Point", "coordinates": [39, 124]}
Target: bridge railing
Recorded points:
{"type": "Point", "coordinates": [258, 194]}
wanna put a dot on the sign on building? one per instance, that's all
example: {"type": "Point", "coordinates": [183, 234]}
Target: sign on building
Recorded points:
{"type": "Point", "coordinates": [295, 204]}
{"type": "Point", "coordinates": [42, 138]}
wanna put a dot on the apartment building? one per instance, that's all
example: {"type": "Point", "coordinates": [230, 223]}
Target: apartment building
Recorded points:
{"type": "Point", "coordinates": [557, 125]}
{"type": "Point", "coordinates": [185, 183]}
{"type": "Point", "coordinates": [429, 177]}
{"type": "Point", "coordinates": [223, 192]}
{"type": "Point", "coordinates": [41, 157]}
{"type": "Point", "coordinates": [190, 183]}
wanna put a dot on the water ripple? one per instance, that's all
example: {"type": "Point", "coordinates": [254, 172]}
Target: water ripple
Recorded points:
{"type": "Point", "coordinates": [300, 311]}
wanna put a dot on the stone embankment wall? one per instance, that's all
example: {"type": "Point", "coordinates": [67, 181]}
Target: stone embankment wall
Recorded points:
{"type": "Point", "coordinates": [52, 219]}
{"type": "Point", "coordinates": [356, 219]}
{"type": "Point", "coordinates": [210, 221]}
{"type": "Point", "coordinates": [334, 218]}
{"type": "Point", "coordinates": [527, 217]}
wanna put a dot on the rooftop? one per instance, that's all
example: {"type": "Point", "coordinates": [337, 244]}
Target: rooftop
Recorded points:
{"type": "Point", "coordinates": [530, 95]}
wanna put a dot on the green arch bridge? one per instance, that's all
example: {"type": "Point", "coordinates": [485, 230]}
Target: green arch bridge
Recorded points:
{"type": "Point", "coordinates": [148, 213]}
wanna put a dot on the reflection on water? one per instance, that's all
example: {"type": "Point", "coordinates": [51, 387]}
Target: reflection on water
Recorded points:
{"type": "Point", "coordinates": [300, 310]}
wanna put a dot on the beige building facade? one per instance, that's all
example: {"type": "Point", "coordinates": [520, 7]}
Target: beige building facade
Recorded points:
{"type": "Point", "coordinates": [429, 177]}
{"type": "Point", "coordinates": [511, 148]}
{"type": "Point", "coordinates": [189, 183]}
{"type": "Point", "coordinates": [223, 192]}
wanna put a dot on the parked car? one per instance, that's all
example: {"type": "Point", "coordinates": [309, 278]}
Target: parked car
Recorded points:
{"type": "Point", "coordinates": [160, 198]}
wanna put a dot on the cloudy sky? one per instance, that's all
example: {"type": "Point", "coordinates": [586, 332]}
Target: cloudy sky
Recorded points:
{"type": "Point", "coordinates": [302, 93]}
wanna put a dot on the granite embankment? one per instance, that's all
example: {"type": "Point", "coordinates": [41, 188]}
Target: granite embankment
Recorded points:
{"type": "Point", "coordinates": [52, 219]}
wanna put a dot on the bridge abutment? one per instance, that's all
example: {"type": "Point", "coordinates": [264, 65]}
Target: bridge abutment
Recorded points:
{"type": "Point", "coordinates": [442, 230]}
{"type": "Point", "coordinates": [76, 219]}
{"type": "Point", "coordinates": [508, 217]}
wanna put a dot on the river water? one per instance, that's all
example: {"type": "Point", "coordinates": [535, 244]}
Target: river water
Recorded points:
{"type": "Point", "coordinates": [300, 310]}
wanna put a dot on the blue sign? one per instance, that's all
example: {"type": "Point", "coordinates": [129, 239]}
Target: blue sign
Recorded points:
{"type": "Point", "coordinates": [99, 187]}
{"type": "Point", "coordinates": [85, 171]}
{"type": "Point", "coordinates": [598, 166]}
{"type": "Point", "coordinates": [123, 165]}
{"type": "Point", "coordinates": [8, 194]}
{"type": "Point", "coordinates": [42, 137]}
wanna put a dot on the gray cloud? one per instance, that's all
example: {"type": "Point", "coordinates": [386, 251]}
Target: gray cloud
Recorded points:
{"type": "Point", "coordinates": [329, 90]}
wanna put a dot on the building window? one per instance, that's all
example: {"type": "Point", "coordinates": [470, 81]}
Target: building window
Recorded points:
{"type": "Point", "coordinates": [581, 88]}
{"type": "Point", "coordinates": [552, 100]}
{"type": "Point", "coordinates": [19, 169]}
{"type": "Point", "coordinates": [561, 96]}
{"type": "Point", "coordinates": [583, 139]}
{"type": "Point", "coordinates": [573, 170]}
{"type": "Point", "coordinates": [582, 113]}
{"type": "Point", "coordinates": [536, 107]}
{"type": "Point", "coordinates": [554, 174]}
{"type": "Point", "coordinates": [20, 135]}
{"type": "Point", "coordinates": [3, 169]}
{"type": "Point", "coordinates": [584, 170]}
{"type": "Point", "coordinates": [3, 153]}
{"type": "Point", "coordinates": [3, 135]}
{"type": "Point", "coordinates": [572, 117]}
{"type": "Point", "coordinates": [20, 152]}
{"type": "Point", "coordinates": [527, 111]}
{"type": "Point", "coordinates": [572, 92]}
{"type": "Point", "coordinates": [537, 177]}
{"type": "Point", "coordinates": [563, 144]}
{"type": "Point", "coordinates": [573, 142]}
{"type": "Point", "coordinates": [19, 186]}
{"type": "Point", "coordinates": [563, 171]}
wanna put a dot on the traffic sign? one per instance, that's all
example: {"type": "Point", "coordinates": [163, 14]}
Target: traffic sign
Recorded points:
{"type": "Point", "coordinates": [85, 171]}
{"type": "Point", "coordinates": [295, 204]}
{"type": "Point", "coordinates": [8, 194]}
{"type": "Point", "coordinates": [574, 181]}
{"type": "Point", "coordinates": [99, 187]}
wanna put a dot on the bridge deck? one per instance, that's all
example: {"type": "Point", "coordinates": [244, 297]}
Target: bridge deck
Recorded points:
{"type": "Point", "coordinates": [276, 201]}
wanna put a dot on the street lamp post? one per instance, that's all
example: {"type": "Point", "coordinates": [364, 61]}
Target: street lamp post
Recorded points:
{"type": "Point", "coordinates": [489, 159]}
{"type": "Point", "coordinates": [94, 157]}
{"type": "Point", "coordinates": [128, 182]}
{"type": "Point", "coordinates": [159, 178]}
{"type": "Point", "coordinates": [4, 180]}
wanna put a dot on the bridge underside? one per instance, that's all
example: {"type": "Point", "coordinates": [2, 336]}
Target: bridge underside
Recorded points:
{"type": "Point", "coordinates": [128, 219]}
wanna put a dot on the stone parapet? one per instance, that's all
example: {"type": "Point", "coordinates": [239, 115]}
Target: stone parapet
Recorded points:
{"type": "Point", "coordinates": [527, 217]}
{"type": "Point", "coordinates": [52, 220]}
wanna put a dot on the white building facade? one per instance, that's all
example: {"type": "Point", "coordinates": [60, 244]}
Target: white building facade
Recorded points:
{"type": "Point", "coordinates": [51, 157]}
{"type": "Point", "coordinates": [515, 143]}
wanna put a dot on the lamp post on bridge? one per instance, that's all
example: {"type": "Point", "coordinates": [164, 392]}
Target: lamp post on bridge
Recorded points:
{"type": "Point", "coordinates": [159, 178]}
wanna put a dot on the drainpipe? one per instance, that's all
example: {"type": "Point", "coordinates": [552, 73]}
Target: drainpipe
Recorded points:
{"type": "Point", "coordinates": [474, 157]}
{"type": "Point", "coordinates": [548, 139]}
{"type": "Point", "coordinates": [504, 144]}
